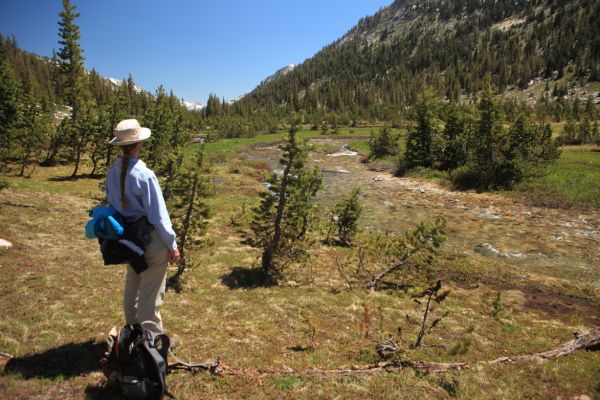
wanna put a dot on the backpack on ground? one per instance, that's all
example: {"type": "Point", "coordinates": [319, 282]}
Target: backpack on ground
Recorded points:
{"type": "Point", "coordinates": [137, 360]}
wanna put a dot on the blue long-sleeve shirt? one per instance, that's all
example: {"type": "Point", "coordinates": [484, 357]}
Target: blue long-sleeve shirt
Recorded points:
{"type": "Point", "coordinates": [143, 195]}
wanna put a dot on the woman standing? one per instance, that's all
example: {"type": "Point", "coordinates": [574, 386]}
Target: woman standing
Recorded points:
{"type": "Point", "coordinates": [133, 190]}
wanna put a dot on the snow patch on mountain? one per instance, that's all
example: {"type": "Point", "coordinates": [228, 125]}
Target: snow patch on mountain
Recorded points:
{"type": "Point", "coordinates": [118, 82]}
{"type": "Point", "coordinates": [192, 105]}
{"type": "Point", "coordinates": [282, 72]}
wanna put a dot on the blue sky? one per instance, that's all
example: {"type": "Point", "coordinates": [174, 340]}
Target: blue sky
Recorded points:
{"type": "Point", "coordinates": [191, 47]}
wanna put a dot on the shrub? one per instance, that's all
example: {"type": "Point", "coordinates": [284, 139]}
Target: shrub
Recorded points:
{"type": "Point", "coordinates": [383, 143]}
{"type": "Point", "coordinates": [402, 166]}
{"type": "Point", "coordinates": [466, 177]}
{"type": "Point", "coordinates": [346, 214]}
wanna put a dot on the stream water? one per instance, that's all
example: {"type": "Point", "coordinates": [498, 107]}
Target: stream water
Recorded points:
{"type": "Point", "coordinates": [556, 242]}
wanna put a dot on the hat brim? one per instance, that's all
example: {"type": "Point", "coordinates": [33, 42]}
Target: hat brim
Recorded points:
{"type": "Point", "coordinates": [144, 135]}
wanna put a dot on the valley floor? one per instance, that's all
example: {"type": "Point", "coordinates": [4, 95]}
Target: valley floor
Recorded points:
{"type": "Point", "coordinates": [58, 302]}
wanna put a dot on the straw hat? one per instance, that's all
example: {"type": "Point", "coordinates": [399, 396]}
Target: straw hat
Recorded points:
{"type": "Point", "coordinates": [129, 131]}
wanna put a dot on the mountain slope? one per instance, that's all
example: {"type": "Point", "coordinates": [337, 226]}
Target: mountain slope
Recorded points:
{"type": "Point", "coordinates": [39, 78]}
{"type": "Point", "coordinates": [448, 44]}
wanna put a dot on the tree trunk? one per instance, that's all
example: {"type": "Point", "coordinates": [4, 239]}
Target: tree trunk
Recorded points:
{"type": "Point", "coordinates": [304, 226]}
{"type": "Point", "coordinates": [52, 152]}
{"type": "Point", "coordinates": [77, 160]}
{"type": "Point", "coordinates": [24, 163]}
{"type": "Point", "coordinates": [168, 181]}
{"type": "Point", "coordinates": [109, 156]}
{"type": "Point", "coordinates": [95, 164]}
{"type": "Point", "coordinates": [186, 225]}
{"type": "Point", "coordinates": [423, 325]}
{"type": "Point", "coordinates": [109, 148]}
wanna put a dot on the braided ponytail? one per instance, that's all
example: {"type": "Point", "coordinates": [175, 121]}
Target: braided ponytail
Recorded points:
{"type": "Point", "coordinates": [127, 149]}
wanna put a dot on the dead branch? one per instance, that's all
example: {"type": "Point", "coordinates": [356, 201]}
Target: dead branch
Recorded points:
{"type": "Point", "coordinates": [10, 203]}
{"type": "Point", "coordinates": [377, 278]}
{"type": "Point", "coordinates": [342, 270]}
{"type": "Point", "coordinates": [587, 341]}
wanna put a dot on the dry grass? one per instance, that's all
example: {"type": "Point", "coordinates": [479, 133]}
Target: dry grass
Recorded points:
{"type": "Point", "coordinates": [58, 301]}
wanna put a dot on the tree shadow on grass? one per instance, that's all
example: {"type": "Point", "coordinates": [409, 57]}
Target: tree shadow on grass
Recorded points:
{"type": "Point", "coordinates": [386, 285]}
{"type": "Point", "coordinates": [76, 178]}
{"type": "Point", "coordinates": [64, 362]}
{"type": "Point", "coordinates": [247, 278]}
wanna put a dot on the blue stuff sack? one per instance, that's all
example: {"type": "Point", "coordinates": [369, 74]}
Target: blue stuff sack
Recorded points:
{"type": "Point", "coordinates": [106, 223]}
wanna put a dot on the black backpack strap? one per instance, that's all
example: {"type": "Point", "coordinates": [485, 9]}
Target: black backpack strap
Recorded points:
{"type": "Point", "coordinates": [158, 360]}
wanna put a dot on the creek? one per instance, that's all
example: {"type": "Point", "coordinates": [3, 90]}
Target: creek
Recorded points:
{"type": "Point", "coordinates": [562, 243]}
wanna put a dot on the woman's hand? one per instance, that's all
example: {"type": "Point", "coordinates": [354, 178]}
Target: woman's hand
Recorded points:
{"type": "Point", "coordinates": [174, 256]}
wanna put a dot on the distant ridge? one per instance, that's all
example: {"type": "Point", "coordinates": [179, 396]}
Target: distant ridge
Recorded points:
{"type": "Point", "coordinates": [525, 46]}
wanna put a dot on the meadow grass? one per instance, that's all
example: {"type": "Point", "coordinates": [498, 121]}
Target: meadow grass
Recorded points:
{"type": "Point", "coordinates": [571, 181]}
{"type": "Point", "coordinates": [58, 302]}
{"type": "Point", "coordinates": [228, 147]}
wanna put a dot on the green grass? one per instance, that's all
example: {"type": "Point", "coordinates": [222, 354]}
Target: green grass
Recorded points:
{"type": "Point", "coordinates": [572, 181]}
{"type": "Point", "coordinates": [434, 175]}
{"type": "Point", "coordinates": [557, 128]}
{"type": "Point", "coordinates": [361, 146]}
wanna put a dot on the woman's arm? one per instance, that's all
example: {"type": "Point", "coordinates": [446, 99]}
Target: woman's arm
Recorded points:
{"type": "Point", "coordinates": [157, 214]}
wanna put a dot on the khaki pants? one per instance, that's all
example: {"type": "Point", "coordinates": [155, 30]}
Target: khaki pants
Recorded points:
{"type": "Point", "coordinates": [145, 292]}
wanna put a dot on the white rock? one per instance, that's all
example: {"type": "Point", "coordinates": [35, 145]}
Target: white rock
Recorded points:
{"type": "Point", "coordinates": [5, 244]}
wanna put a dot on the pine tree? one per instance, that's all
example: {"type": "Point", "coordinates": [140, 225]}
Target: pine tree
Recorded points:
{"type": "Point", "coordinates": [119, 110]}
{"type": "Point", "coordinates": [280, 221]}
{"type": "Point", "coordinates": [213, 106]}
{"type": "Point", "coordinates": [300, 205]}
{"type": "Point", "coordinates": [487, 142]}
{"type": "Point", "coordinates": [520, 138]}
{"type": "Point", "coordinates": [383, 143]}
{"type": "Point", "coordinates": [190, 189]}
{"type": "Point", "coordinates": [569, 133]}
{"type": "Point", "coordinates": [345, 217]}
{"type": "Point", "coordinates": [11, 97]}
{"type": "Point", "coordinates": [75, 93]}
{"type": "Point", "coordinates": [37, 123]}
{"type": "Point", "coordinates": [547, 149]}
{"type": "Point", "coordinates": [452, 154]}
{"type": "Point", "coordinates": [577, 109]}
{"type": "Point", "coordinates": [420, 138]}
{"type": "Point", "coordinates": [293, 161]}
{"type": "Point", "coordinates": [585, 132]}
{"type": "Point", "coordinates": [160, 121]}
{"type": "Point", "coordinates": [99, 142]}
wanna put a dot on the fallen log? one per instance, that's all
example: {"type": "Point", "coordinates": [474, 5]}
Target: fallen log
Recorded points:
{"type": "Point", "coordinates": [588, 341]}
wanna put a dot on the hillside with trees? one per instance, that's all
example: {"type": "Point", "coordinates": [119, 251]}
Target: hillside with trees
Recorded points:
{"type": "Point", "coordinates": [55, 111]}
{"type": "Point", "coordinates": [376, 70]}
